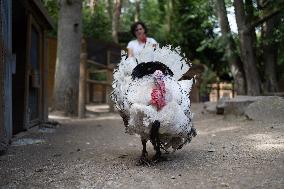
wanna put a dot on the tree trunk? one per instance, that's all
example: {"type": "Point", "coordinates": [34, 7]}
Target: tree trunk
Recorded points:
{"type": "Point", "coordinates": [233, 59]}
{"type": "Point", "coordinates": [137, 10]}
{"type": "Point", "coordinates": [169, 14]}
{"type": "Point", "coordinates": [82, 84]}
{"type": "Point", "coordinates": [115, 20]}
{"type": "Point", "coordinates": [109, 8]}
{"type": "Point", "coordinates": [68, 57]}
{"type": "Point", "coordinates": [270, 50]}
{"type": "Point", "coordinates": [249, 10]}
{"type": "Point", "coordinates": [247, 50]}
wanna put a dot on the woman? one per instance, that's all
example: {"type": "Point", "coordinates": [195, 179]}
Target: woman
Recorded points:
{"type": "Point", "coordinates": [139, 31]}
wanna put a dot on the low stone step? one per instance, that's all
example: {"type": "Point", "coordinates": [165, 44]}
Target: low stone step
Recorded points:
{"type": "Point", "coordinates": [238, 105]}
{"type": "Point", "coordinates": [269, 109]}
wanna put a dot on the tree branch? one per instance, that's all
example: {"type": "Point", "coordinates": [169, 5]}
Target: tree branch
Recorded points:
{"type": "Point", "coordinates": [265, 17]}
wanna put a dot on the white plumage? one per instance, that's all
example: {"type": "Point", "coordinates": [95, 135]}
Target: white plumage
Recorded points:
{"type": "Point", "coordinates": [132, 96]}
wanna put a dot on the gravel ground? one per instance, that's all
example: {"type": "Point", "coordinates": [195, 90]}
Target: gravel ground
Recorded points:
{"type": "Point", "coordinates": [228, 152]}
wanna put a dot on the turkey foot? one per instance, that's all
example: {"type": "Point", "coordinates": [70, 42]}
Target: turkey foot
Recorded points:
{"type": "Point", "coordinates": [143, 160]}
{"type": "Point", "coordinates": [193, 132]}
{"type": "Point", "coordinates": [155, 139]}
{"type": "Point", "coordinates": [159, 158]}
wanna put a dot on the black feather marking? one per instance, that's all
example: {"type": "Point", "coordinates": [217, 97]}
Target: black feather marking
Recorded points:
{"type": "Point", "coordinates": [149, 68]}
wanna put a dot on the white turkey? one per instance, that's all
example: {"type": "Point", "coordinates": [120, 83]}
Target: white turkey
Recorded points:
{"type": "Point", "coordinates": [152, 100]}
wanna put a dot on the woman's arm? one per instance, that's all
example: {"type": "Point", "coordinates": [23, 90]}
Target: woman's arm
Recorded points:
{"type": "Point", "coordinates": [130, 49]}
{"type": "Point", "coordinates": [130, 52]}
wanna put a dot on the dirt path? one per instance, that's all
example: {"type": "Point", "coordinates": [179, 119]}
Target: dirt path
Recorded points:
{"type": "Point", "coordinates": [96, 153]}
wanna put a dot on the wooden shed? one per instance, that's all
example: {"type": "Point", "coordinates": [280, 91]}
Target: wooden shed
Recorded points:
{"type": "Point", "coordinates": [24, 25]}
{"type": "Point", "coordinates": [195, 71]}
{"type": "Point", "coordinates": [102, 57]}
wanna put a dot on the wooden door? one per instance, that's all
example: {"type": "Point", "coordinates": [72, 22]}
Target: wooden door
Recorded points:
{"type": "Point", "coordinates": [34, 73]}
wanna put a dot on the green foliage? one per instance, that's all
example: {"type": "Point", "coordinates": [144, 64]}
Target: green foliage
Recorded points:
{"type": "Point", "coordinates": [53, 9]}
{"type": "Point", "coordinates": [279, 38]}
{"type": "Point", "coordinates": [127, 15]}
{"type": "Point", "coordinates": [208, 77]}
{"type": "Point", "coordinates": [193, 29]}
{"type": "Point", "coordinates": [96, 23]}
{"type": "Point", "coordinates": [153, 16]}
{"type": "Point", "coordinates": [98, 76]}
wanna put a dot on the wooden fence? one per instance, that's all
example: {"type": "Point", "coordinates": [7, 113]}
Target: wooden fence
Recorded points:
{"type": "Point", "coordinates": [219, 90]}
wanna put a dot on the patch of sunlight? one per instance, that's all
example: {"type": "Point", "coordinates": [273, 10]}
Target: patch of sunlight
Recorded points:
{"type": "Point", "coordinates": [98, 108]}
{"type": "Point", "coordinates": [27, 141]}
{"type": "Point", "coordinates": [206, 120]}
{"type": "Point", "coordinates": [89, 117]}
{"type": "Point", "coordinates": [58, 117]}
{"type": "Point", "coordinates": [222, 129]}
{"type": "Point", "coordinates": [266, 141]}
{"type": "Point", "coordinates": [259, 137]}
{"type": "Point", "coordinates": [106, 117]}
{"type": "Point", "coordinates": [270, 146]}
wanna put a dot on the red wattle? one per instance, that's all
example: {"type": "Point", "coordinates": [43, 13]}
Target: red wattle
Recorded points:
{"type": "Point", "coordinates": [158, 95]}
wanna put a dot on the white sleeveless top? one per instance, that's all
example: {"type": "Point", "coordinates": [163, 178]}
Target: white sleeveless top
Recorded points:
{"type": "Point", "coordinates": [137, 47]}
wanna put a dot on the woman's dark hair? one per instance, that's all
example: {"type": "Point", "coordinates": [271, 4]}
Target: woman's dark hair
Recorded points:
{"type": "Point", "coordinates": [134, 26]}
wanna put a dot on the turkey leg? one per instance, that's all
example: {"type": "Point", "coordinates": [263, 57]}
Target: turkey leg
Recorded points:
{"type": "Point", "coordinates": [143, 158]}
{"type": "Point", "coordinates": [155, 139]}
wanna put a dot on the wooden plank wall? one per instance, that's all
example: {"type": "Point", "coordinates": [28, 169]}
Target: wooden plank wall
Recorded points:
{"type": "Point", "coordinates": [1, 85]}
{"type": "Point", "coordinates": [5, 75]}
{"type": "Point", "coordinates": [6, 56]}
{"type": "Point", "coordinates": [52, 47]}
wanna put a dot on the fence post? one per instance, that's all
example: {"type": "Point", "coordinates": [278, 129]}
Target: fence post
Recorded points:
{"type": "Point", "coordinates": [218, 90]}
